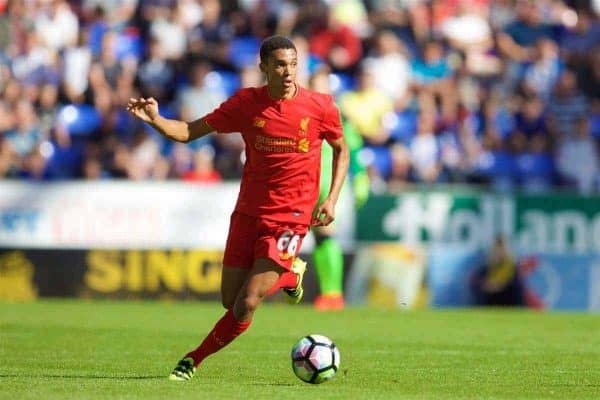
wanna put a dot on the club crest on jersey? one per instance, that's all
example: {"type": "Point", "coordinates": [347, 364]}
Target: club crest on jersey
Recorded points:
{"type": "Point", "coordinates": [304, 126]}
{"type": "Point", "coordinates": [259, 123]}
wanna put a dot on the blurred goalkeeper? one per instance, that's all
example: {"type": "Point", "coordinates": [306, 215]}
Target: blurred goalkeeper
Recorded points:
{"type": "Point", "coordinates": [328, 257]}
{"type": "Point", "coordinates": [283, 126]}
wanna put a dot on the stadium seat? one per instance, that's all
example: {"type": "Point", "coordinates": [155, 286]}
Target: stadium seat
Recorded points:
{"type": "Point", "coordinates": [79, 119]}
{"type": "Point", "coordinates": [595, 125]}
{"type": "Point", "coordinates": [499, 168]}
{"type": "Point", "coordinates": [378, 157]}
{"type": "Point", "coordinates": [340, 83]}
{"type": "Point", "coordinates": [535, 171]}
{"type": "Point", "coordinates": [226, 81]}
{"type": "Point", "coordinates": [243, 51]}
{"type": "Point", "coordinates": [95, 36]}
{"type": "Point", "coordinates": [504, 123]}
{"type": "Point", "coordinates": [403, 126]}
{"type": "Point", "coordinates": [129, 45]}
{"type": "Point", "coordinates": [65, 163]}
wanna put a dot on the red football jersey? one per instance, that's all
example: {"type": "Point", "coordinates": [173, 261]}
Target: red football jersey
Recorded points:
{"type": "Point", "coordinates": [283, 149]}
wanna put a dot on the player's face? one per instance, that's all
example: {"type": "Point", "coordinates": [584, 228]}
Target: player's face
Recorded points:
{"type": "Point", "coordinates": [281, 69]}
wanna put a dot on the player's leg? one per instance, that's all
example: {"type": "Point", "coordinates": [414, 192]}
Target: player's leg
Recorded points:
{"type": "Point", "coordinates": [329, 265]}
{"type": "Point", "coordinates": [296, 292]}
{"type": "Point", "coordinates": [291, 281]}
{"type": "Point", "coordinates": [232, 280]}
{"type": "Point", "coordinates": [281, 243]}
{"type": "Point", "coordinates": [264, 274]}
{"type": "Point", "coordinates": [238, 259]}
{"type": "Point", "coordinates": [225, 330]}
{"type": "Point", "coordinates": [262, 278]}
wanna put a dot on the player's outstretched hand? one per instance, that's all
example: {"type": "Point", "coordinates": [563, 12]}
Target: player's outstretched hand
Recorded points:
{"type": "Point", "coordinates": [144, 109]}
{"type": "Point", "coordinates": [325, 214]}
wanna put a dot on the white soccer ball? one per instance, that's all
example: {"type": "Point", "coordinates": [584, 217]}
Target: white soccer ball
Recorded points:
{"type": "Point", "coordinates": [315, 359]}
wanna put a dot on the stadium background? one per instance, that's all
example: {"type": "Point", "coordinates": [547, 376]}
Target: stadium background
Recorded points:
{"type": "Point", "coordinates": [479, 119]}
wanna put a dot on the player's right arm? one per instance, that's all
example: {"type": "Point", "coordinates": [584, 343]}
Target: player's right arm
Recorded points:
{"type": "Point", "coordinates": [179, 131]}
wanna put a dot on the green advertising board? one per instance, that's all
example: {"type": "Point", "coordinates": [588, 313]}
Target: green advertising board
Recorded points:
{"type": "Point", "coordinates": [557, 223]}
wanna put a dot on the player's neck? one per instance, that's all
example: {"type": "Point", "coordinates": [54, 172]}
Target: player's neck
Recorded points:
{"type": "Point", "coordinates": [282, 93]}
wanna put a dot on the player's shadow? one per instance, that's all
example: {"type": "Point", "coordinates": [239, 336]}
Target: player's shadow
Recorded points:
{"type": "Point", "coordinates": [270, 384]}
{"type": "Point", "coordinates": [62, 376]}
{"type": "Point", "coordinates": [573, 385]}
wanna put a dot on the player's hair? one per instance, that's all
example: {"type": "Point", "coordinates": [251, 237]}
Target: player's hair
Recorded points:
{"type": "Point", "coordinates": [273, 43]}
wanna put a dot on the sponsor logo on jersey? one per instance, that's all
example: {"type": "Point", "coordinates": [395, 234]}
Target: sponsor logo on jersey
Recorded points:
{"type": "Point", "coordinates": [270, 144]}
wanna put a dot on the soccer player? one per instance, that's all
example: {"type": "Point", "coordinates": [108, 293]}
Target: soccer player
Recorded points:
{"type": "Point", "coordinates": [283, 126]}
{"type": "Point", "coordinates": [328, 256]}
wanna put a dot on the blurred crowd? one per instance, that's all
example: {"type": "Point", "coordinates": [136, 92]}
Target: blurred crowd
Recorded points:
{"type": "Point", "coordinates": [500, 93]}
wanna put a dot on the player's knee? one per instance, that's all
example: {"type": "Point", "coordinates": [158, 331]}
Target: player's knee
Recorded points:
{"type": "Point", "coordinates": [227, 302]}
{"type": "Point", "coordinates": [251, 301]}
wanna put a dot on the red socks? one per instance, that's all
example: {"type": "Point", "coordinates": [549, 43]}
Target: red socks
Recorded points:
{"type": "Point", "coordinates": [223, 333]}
{"type": "Point", "coordinates": [287, 280]}
{"type": "Point", "coordinates": [228, 328]}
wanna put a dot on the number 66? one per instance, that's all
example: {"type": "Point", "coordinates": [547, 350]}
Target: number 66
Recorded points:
{"type": "Point", "coordinates": [288, 242]}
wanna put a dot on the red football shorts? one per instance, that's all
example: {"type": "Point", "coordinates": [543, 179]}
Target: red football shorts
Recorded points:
{"type": "Point", "coordinates": [251, 238]}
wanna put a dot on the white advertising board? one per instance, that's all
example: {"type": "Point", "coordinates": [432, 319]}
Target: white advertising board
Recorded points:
{"type": "Point", "coordinates": [125, 215]}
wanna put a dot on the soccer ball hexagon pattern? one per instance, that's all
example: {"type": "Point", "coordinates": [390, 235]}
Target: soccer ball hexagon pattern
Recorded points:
{"type": "Point", "coordinates": [315, 359]}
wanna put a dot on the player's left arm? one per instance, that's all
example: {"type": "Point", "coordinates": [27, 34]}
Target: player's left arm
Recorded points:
{"type": "Point", "coordinates": [325, 213]}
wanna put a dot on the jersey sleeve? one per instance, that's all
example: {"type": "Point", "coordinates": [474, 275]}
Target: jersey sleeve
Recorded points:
{"type": "Point", "coordinates": [227, 117]}
{"type": "Point", "coordinates": [331, 127]}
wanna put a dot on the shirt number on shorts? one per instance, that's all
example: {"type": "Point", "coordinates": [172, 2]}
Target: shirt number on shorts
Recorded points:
{"type": "Point", "coordinates": [288, 243]}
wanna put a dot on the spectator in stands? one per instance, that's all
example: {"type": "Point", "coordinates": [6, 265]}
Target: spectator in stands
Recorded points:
{"type": "Point", "coordinates": [366, 107]}
{"type": "Point", "coordinates": [47, 107]}
{"type": "Point", "coordinates": [589, 76]}
{"type": "Point", "coordinates": [425, 151]}
{"type": "Point", "coordinates": [197, 99]}
{"type": "Point", "coordinates": [577, 158]}
{"type": "Point", "coordinates": [203, 170]}
{"type": "Point", "coordinates": [566, 105]}
{"type": "Point", "coordinates": [530, 119]}
{"type": "Point", "coordinates": [92, 169]}
{"type": "Point", "coordinates": [6, 158]}
{"type": "Point", "coordinates": [145, 161]}
{"type": "Point", "coordinates": [390, 68]}
{"type": "Point", "coordinates": [56, 24]}
{"type": "Point", "coordinates": [77, 63]}
{"type": "Point", "coordinates": [541, 75]}
{"type": "Point", "coordinates": [517, 41]}
{"type": "Point", "coordinates": [26, 136]}
{"type": "Point", "coordinates": [468, 32]}
{"type": "Point", "coordinates": [209, 38]}
{"type": "Point", "coordinates": [168, 34]}
{"type": "Point", "coordinates": [580, 39]}
{"type": "Point", "coordinates": [432, 77]}
{"type": "Point", "coordinates": [156, 74]}
{"type": "Point", "coordinates": [401, 174]}
{"type": "Point", "coordinates": [535, 166]}
{"type": "Point", "coordinates": [33, 167]}
{"type": "Point", "coordinates": [335, 42]}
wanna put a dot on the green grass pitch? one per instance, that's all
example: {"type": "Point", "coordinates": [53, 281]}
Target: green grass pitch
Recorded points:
{"type": "Point", "coordinates": [76, 349]}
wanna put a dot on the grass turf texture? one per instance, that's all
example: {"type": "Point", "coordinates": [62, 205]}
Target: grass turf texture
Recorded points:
{"type": "Point", "coordinates": [102, 349]}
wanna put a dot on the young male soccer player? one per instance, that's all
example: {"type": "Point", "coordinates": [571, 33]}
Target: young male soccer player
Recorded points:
{"type": "Point", "coordinates": [283, 126]}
